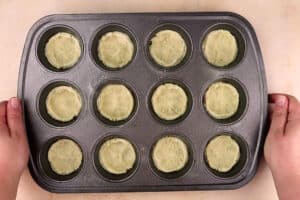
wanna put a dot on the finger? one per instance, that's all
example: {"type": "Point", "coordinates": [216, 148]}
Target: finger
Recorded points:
{"type": "Point", "coordinates": [271, 108]}
{"type": "Point", "coordinates": [294, 108]}
{"type": "Point", "coordinates": [3, 122]}
{"type": "Point", "coordinates": [276, 97]}
{"type": "Point", "coordinates": [279, 114]}
{"type": "Point", "coordinates": [15, 118]}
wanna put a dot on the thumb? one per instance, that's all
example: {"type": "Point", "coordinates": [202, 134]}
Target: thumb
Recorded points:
{"type": "Point", "coordinates": [279, 114]}
{"type": "Point", "coordinates": [15, 118]}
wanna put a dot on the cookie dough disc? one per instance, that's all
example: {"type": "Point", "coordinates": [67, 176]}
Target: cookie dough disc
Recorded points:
{"type": "Point", "coordinates": [220, 48]}
{"type": "Point", "coordinates": [117, 156]}
{"type": "Point", "coordinates": [64, 156]}
{"type": "Point", "coordinates": [169, 101]}
{"type": "Point", "coordinates": [222, 153]}
{"type": "Point", "coordinates": [63, 50]}
{"type": "Point", "coordinates": [115, 102]}
{"type": "Point", "coordinates": [221, 100]}
{"type": "Point", "coordinates": [170, 154]}
{"type": "Point", "coordinates": [115, 49]}
{"type": "Point", "coordinates": [63, 103]}
{"type": "Point", "coordinates": [167, 48]}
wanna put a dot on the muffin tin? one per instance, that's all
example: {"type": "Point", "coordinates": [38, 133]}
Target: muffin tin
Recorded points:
{"type": "Point", "coordinates": [142, 75]}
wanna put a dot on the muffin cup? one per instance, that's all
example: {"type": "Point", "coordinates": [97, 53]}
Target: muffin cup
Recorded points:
{"type": "Point", "coordinates": [183, 33]}
{"type": "Point", "coordinates": [239, 166]}
{"type": "Point", "coordinates": [44, 38]}
{"type": "Point", "coordinates": [104, 119]}
{"type": "Point", "coordinates": [104, 174]}
{"type": "Point", "coordinates": [101, 32]}
{"type": "Point", "coordinates": [172, 176]}
{"type": "Point", "coordinates": [241, 44]}
{"type": "Point", "coordinates": [45, 164]}
{"type": "Point", "coordinates": [189, 103]}
{"type": "Point", "coordinates": [243, 101]}
{"type": "Point", "coordinates": [42, 103]}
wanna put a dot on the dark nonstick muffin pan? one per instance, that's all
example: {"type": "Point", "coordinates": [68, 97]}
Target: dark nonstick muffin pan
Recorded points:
{"type": "Point", "coordinates": [141, 76]}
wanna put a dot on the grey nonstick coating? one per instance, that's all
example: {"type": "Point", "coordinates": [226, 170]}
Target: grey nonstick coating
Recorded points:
{"type": "Point", "coordinates": [141, 76]}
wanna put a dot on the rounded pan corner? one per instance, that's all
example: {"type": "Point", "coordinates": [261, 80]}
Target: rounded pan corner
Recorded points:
{"type": "Point", "coordinates": [242, 20]}
{"type": "Point", "coordinates": [232, 186]}
{"type": "Point", "coordinates": [27, 45]}
{"type": "Point", "coordinates": [244, 181]}
{"type": "Point", "coordinates": [28, 41]}
{"type": "Point", "coordinates": [44, 20]}
{"type": "Point", "coordinates": [48, 187]}
{"type": "Point", "coordinates": [238, 17]}
{"type": "Point", "coordinates": [38, 180]}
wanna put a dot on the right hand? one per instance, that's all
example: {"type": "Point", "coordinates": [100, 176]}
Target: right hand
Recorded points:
{"type": "Point", "coordinates": [282, 147]}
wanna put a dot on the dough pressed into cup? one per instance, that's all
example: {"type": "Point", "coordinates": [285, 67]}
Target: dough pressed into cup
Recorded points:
{"type": "Point", "coordinates": [63, 50]}
{"type": "Point", "coordinates": [117, 156]}
{"type": "Point", "coordinates": [220, 48]}
{"type": "Point", "coordinates": [222, 153]}
{"type": "Point", "coordinates": [115, 49]}
{"type": "Point", "coordinates": [169, 101]}
{"type": "Point", "coordinates": [115, 102]}
{"type": "Point", "coordinates": [63, 103]}
{"type": "Point", "coordinates": [167, 48]}
{"type": "Point", "coordinates": [65, 157]}
{"type": "Point", "coordinates": [221, 100]}
{"type": "Point", "coordinates": [170, 154]}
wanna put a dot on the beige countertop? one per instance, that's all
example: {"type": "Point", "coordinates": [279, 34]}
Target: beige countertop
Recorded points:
{"type": "Point", "coordinates": [277, 26]}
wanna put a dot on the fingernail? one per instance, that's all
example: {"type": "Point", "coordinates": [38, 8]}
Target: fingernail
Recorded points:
{"type": "Point", "coordinates": [15, 103]}
{"type": "Point", "coordinates": [280, 100]}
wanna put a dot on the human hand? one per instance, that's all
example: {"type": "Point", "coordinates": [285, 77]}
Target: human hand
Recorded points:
{"type": "Point", "coordinates": [14, 149]}
{"type": "Point", "coordinates": [282, 147]}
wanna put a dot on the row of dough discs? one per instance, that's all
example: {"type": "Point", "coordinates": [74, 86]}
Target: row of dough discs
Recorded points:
{"type": "Point", "coordinates": [115, 103]}
{"type": "Point", "coordinates": [114, 49]}
{"type": "Point", "coordinates": [171, 156]}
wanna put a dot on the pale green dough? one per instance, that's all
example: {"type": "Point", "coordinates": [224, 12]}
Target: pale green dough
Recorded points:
{"type": "Point", "coordinates": [117, 156]}
{"type": "Point", "coordinates": [65, 157]}
{"type": "Point", "coordinates": [63, 50]}
{"type": "Point", "coordinates": [170, 154]}
{"type": "Point", "coordinates": [115, 102]}
{"type": "Point", "coordinates": [221, 100]}
{"type": "Point", "coordinates": [220, 48]}
{"type": "Point", "coordinates": [63, 103]}
{"type": "Point", "coordinates": [115, 49]}
{"type": "Point", "coordinates": [169, 101]}
{"type": "Point", "coordinates": [222, 153]}
{"type": "Point", "coordinates": [167, 48]}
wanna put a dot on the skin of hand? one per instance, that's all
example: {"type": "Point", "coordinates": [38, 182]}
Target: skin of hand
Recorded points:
{"type": "Point", "coordinates": [14, 151]}
{"type": "Point", "coordinates": [282, 147]}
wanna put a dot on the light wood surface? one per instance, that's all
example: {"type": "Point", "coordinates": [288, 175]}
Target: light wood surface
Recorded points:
{"type": "Point", "coordinates": [277, 26]}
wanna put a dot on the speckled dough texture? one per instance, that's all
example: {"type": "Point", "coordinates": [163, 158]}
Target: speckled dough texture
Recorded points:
{"type": "Point", "coordinates": [167, 48]}
{"type": "Point", "coordinates": [115, 49]}
{"type": "Point", "coordinates": [115, 102]}
{"type": "Point", "coordinates": [222, 153]}
{"type": "Point", "coordinates": [170, 154]}
{"type": "Point", "coordinates": [169, 101]}
{"type": "Point", "coordinates": [64, 156]}
{"type": "Point", "coordinates": [117, 156]}
{"type": "Point", "coordinates": [220, 48]}
{"type": "Point", "coordinates": [63, 103]}
{"type": "Point", "coordinates": [63, 50]}
{"type": "Point", "coordinates": [221, 100]}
